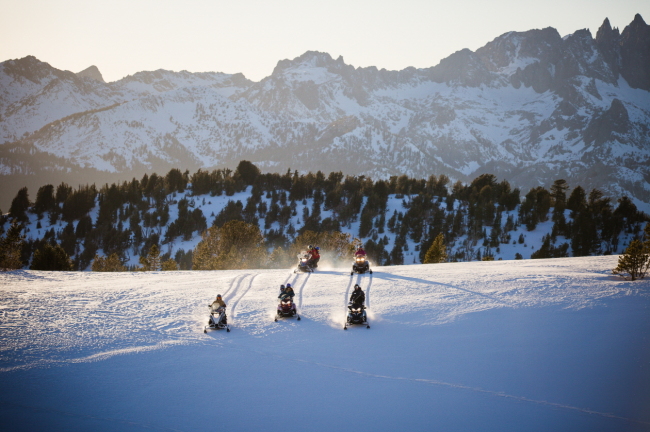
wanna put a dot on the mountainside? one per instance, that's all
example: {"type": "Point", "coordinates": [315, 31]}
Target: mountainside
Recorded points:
{"type": "Point", "coordinates": [397, 221]}
{"type": "Point", "coordinates": [530, 107]}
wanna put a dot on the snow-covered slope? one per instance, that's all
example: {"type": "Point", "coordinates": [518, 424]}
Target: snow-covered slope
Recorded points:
{"type": "Point", "coordinates": [530, 107]}
{"type": "Point", "coordinates": [535, 345]}
{"type": "Point", "coordinates": [516, 241]}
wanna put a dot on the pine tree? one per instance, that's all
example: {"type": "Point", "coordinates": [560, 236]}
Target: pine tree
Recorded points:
{"type": "Point", "coordinates": [634, 262]}
{"type": "Point", "coordinates": [52, 258]}
{"type": "Point", "coordinates": [236, 245]}
{"type": "Point", "coordinates": [550, 251]}
{"type": "Point", "coordinates": [437, 251]}
{"type": "Point", "coordinates": [169, 265]}
{"type": "Point", "coordinates": [20, 205]}
{"type": "Point", "coordinates": [247, 172]}
{"type": "Point", "coordinates": [152, 261]}
{"type": "Point", "coordinates": [396, 254]}
{"type": "Point", "coordinates": [110, 264]}
{"type": "Point", "coordinates": [45, 200]}
{"type": "Point", "coordinates": [11, 247]}
{"type": "Point", "coordinates": [280, 258]}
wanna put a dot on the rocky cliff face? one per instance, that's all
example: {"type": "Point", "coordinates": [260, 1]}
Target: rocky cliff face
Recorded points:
{"type": "Point", "coordinates": [530, 107]}
{"type": "Point", "coordinates": [91, 72]}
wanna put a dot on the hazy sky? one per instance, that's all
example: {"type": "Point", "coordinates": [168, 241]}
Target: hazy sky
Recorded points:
{"type": "Point", "coordinates": [122, 37]}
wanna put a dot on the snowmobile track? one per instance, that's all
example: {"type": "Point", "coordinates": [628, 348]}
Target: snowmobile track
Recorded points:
{"type": "Point", "coordinates": [236, 302]}
{"type": "Point", "coordinates": [368, 292]}
{"type": "Point", "coordinates": [347, 291]}
{"type": "Point", "coordinates": [289, 279]}
{"type": "Point", "coordinates": [301, 289]}
{"type": "Point", "coordinates": [235, 282]}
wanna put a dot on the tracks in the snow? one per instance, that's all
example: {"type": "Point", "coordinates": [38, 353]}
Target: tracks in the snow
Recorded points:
{"type": "Point", "coordinates": [293, 279]}
{"type": "Point", "coordinates": [301, 289]}
{"type": "Point", "coordinates": [237, 294]}
{"type": "Point", "coordinates": [241, 284]}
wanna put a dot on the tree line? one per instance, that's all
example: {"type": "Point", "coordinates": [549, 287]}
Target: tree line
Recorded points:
{"type": "Point", "coordinates": [472, 221]}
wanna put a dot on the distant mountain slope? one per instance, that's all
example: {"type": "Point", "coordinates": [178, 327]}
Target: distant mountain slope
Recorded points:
{"type": "Point", "coordinates": [529, 107]}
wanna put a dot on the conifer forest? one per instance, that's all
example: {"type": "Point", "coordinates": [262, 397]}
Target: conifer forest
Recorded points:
{"type": "Point", "coordinates": [225, 219]}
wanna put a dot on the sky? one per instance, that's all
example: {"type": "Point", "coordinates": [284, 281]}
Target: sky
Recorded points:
{"type": "Point", "coordinates": [122, 37]}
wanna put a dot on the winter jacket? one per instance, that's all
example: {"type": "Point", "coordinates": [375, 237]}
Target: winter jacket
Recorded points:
{"type": "Point", "coordinates": [358, 297]}
{"type": "Point", "coordinates": [218, 303]}
{"type": "Point", "coordinates": [314, 254]}
{"type": "Point", "coordinates": [360, 252]}
{"type": "Point", "coordinates": [288, 292]}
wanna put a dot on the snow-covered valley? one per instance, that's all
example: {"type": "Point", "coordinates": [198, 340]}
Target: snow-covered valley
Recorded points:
{"type": "Point", "coordinates": [533, 345]}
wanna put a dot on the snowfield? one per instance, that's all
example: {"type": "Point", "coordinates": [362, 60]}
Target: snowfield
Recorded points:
{"type": "Point", "coordinates": [529, 345]}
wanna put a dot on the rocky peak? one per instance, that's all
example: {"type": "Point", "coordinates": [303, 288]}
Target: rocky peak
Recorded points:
{"type": "Point", "coordinates": [581, 57]}
{"type": "Point", "coordinates": [29, 68]}
{"type": "Point", "coordinates": [608, 40]}
{"type": "Point", "coordinates": [638, 21]}
{"type": "Point", "coordinates": [611, 125]}
{"type": "Point", "coordinates": [91, 72]}
{"type": "Point", "coordinates": [635, 53]}
{"type": "Point", "coordinates": [543, 45]}
{"type": "Point", "coordinates": [312, 59]}
{"type": "Point", "coordinates": [607, 33]}
{"type": "Point", "coordinates": [463, 68]}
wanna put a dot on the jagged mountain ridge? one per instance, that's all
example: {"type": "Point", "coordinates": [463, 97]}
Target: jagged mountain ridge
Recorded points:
{"type": "Point", "coordinates": [529, 107]}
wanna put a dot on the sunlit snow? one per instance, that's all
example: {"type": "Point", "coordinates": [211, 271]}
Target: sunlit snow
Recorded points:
{"type": "Point", "coordinates": [533, 345]}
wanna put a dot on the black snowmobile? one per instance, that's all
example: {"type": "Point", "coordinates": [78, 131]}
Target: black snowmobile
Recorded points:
{"type": "Point", "coordinates": [304, 263]}
{"type": "Point", "coordinates": [356, 315]}
{"type": "Point", "coordinates": [360, 265]}
{"type": "Point", "coordinates": [218, 319]}
{"type": "Point", "coordinates": [286, 308]}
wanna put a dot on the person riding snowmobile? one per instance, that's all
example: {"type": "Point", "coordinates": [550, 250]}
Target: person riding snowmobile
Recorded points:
{"type": "Point", "coordinates": [357, 298]}
{"type": "Point", "coordinates": [218, 303]}
{"type": "Point", "coordinates": [218, 306]}
{"type": "Point", "coordinates": [315, 255]}
{"type": "Point", "coordinates": [287, 293]}
{"type": "Point", "coordinates": [360, 252]}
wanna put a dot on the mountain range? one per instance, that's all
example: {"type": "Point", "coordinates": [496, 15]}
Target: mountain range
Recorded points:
{"type": "Point", "coordinates": [530, 107]}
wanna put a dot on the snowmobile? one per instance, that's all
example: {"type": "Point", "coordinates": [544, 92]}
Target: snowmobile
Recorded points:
{"type": "Point", "coordinates": [286, 308]}
{"type": "Point", "coordinates": [356, 315]}
{"type": "Point", "coordinates": [218, 319]}
{"type": "Point", "coordinates": [360, 265]}
{"type": "Point", "coordinates": [304, 263]}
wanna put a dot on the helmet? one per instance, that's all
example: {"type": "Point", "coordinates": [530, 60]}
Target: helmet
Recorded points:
{"type": "Point", "coordinates": [218, 295]}
{"type": "Point", "coordinates": [310, 247]}
{"type": "Point", "coordinates": [288, 285]}
{"type": "Point", "coordinates": [359, 247]}
{"type": "Point", "coordinates": [281, 287]}
{"type": "Point", "coordinates": [356, 286]}
{"type": "Point", "coordinates": [317, 248]}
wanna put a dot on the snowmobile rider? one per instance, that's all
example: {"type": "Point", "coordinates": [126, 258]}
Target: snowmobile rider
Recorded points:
{"type": "Point", "coordinates": [218, 304]}
{"type": "Point", "coordinates": [357, 298]}
{"type": "Point", "coordinates": [315, 255]}
{"type": "Point", "coordinates": [360, 252]}
{"type": "Point", "coordinates": [286, 293]}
